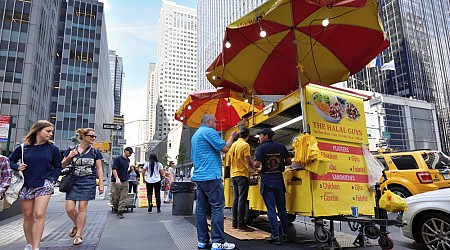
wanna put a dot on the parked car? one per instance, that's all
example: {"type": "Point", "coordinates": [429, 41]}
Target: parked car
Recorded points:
{"type": "Point", "coordinates": [414, 172]}
{"type": "Point", "coordinates": [427, 220]}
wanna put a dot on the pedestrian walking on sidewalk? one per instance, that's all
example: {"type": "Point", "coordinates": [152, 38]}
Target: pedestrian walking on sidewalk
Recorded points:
{"type": "Point", "coordinates": [119, 181]}
{"type": "Point", "coordinates": [171, 171]}
{"type": "Point", "coordinates": [86, 162]}
{"type": "Point", "coordinates": [40, 163]}
{"type": "Point", "coordinates": [5, 178]}
{"type": "Point", "coordinates": [273, 157]}
{"type": "Point", "coordinates": [240, 162]}
{"type": "Point", "coordinates": [133, 179]}
{"type": "Point", "coordinates": [166, 187]}
{"type": "Point", "coordinates": [152, 176]}
{"type": "Point", "coordinates": [206, 146]}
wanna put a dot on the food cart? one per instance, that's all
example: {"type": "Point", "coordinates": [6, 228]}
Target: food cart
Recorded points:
{"type": "Point", "coordinates": [335, 117]}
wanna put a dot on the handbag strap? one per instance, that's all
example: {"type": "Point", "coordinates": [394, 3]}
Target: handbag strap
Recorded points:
{"type": "Point", "coordinates": [22, 148]}
{"type": "Point", "coordinates": [82, 153]}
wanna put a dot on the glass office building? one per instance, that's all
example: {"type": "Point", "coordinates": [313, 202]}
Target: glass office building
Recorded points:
{"type": "Point", "coordinates": [420, 47]}
{"type": "Point", "coordinates": [82, 94]}
{"type": "Point", "coordinates": [27, 49]}
{"type": "Point", "coordinates": [117, 76]}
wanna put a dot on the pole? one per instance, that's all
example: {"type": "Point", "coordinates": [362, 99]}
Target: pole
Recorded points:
{"type": "Point", "coordinates": [8, 142]}
{"type": "Point", "coordinates": [109, 168]}
{"type": "Point", "coordinates": [302, 97]}
{"type": "Point", "coordinates": [253, 106]}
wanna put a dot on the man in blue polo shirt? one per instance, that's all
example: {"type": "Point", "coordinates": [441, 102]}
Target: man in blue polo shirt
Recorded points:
{"type": "Point", "coordinates": [206, 145]}
{"type": "Point", "coordinates": [273, 157]}
{"type": "Point", "coordinates": [119, 181]}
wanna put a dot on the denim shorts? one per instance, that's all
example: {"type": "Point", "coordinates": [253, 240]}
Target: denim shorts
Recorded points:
{"type": "Point", "coordinates": [29, 193]}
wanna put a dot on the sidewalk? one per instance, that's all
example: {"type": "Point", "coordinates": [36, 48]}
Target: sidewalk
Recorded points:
{"type": "Point", "coordinates": [104, 230]}
{"type": "Point", "coordinates": [140, 229]}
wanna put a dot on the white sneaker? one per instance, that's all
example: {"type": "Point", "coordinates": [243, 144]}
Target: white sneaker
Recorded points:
{"type": "Point", "coordinates": [225, 245]}
{"type": "Point", "coordinates": [28, 247]}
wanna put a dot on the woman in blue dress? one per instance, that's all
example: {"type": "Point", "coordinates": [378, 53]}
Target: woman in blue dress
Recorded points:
{"type": "Point", "coordinates": [87, 163]}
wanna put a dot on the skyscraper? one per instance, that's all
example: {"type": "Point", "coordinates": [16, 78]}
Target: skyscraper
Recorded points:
{"type": "Point", "coordinates": [152, 98]}
{"type": "Point", "coordinates": [117, 76]}
{"type": "Point", "coordinates": [213, 17]}
{"type": "Point", "coordinates": [82, 93]}
{"type": "Point", "coordinates": [176, 69]}
{"type": "Point", "coordinates": [420, 47]}
{"type": "Point", "coordinates": [27, 54]}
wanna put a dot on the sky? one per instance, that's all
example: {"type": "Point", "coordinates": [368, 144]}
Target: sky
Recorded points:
{"type": "Point", "coordinates": [132, 28]}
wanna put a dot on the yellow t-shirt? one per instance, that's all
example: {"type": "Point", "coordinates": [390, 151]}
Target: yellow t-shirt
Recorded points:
{"type": "Point", "coordinates": [237, 153]}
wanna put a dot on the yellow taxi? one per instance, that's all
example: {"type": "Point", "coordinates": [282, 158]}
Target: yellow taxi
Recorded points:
{"type": "Point", "coordinates": [415, 172]}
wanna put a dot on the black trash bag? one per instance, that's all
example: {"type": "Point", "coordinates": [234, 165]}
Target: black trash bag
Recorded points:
{"type": "Point", "coordinates": [183, 187]}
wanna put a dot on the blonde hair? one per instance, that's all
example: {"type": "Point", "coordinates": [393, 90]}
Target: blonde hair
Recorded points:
{"type": "Point", "coordinates": [166, 174]}
{"type": "Point", "coordinates": [83, 132]}
{"type": "Point", "coordinates": [30, 138]}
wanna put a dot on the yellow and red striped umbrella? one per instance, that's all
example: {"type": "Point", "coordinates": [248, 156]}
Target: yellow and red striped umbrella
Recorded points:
{"type": "Point", "coordinates": [226, 105]}
{"type": "Point", "coordinates": [270, 47]}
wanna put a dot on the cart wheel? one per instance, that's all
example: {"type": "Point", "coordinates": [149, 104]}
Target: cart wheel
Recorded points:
{"type": "Point", "coordinates": [131, 209]}
{"type": "Point", "coordinates": [322, 236]}
{"type": "Point", "coordinates": [372, 232]}
{"type": "Point", "coordinates": [385, 242]}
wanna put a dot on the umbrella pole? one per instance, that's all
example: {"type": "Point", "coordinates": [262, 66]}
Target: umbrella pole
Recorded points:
{"type": "Point", "coordinates": [220, 115]}
{"type": "Point", "coordinates": [253, 107]}
{"type": "Point", "coordinates": [302, 97]}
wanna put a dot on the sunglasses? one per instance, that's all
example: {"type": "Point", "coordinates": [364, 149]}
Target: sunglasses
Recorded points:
{"type": "Point", "coordinates": [92, 136]}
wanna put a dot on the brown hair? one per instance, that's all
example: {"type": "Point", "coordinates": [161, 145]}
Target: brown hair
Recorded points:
{"type": "Point", "coordinates": [83, 131]}
{"type": "Point", "coordinates": [30, 138]}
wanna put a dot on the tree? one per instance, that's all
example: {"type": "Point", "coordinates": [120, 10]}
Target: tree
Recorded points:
{"type": "Point", "coordinates": [165, 159]}
{"type": "Point", "coordinates": [182, 156]}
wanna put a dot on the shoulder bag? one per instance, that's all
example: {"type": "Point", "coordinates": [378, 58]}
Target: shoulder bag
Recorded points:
{"type": "Point", "coordinates": [17, 181]}
{"type": "Point", "coordinates": [67, 181]}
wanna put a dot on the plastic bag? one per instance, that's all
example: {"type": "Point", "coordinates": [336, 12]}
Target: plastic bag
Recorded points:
{"type": "Point", "coordinates": [391, 202]}
{"type": "Point", "coordinates": [12, 192]}
{"type": "Point", "coordinates": [183, 187]}
{"type": "Point", "coordinates": [374, 167]}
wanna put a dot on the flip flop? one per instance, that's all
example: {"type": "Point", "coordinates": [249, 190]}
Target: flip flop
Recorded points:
{"type": "Point", "coordinates": [73, 232]}
{"type": "Point", "coordinates": [78, 240]}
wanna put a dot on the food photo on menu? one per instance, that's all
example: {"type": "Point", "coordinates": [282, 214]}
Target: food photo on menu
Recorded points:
{"type": "Point", "coordinates": [334, 108]}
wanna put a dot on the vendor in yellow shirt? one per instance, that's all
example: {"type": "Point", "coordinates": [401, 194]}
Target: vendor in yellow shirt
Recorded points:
{"type": "Point", "coordinates": [240, 161]}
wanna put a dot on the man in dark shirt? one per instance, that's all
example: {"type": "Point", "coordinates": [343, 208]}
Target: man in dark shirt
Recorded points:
{"type": "Point", "coordinates": [273, 157]}
{"type": "Point", "coordinates": [119, 181]}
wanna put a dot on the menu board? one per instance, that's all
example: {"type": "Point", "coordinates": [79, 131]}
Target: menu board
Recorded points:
{"type": "Point", "coordinates": [337, 121]}
{"type": "Point", "coordinates": [346, 182]}
{"type": "Point", "coordinates": [336, 116]}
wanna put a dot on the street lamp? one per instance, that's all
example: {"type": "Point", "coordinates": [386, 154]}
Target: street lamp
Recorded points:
{"type": "Point", "coordinates": [135, 121]}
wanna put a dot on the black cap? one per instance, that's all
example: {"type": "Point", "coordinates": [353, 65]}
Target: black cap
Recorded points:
{"type": "Point", "coordinates": [129, 149]}
{"type": "Point", "coordinates": [266, 131]}
{"type": "Point", "coordinates": [244, 132]}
